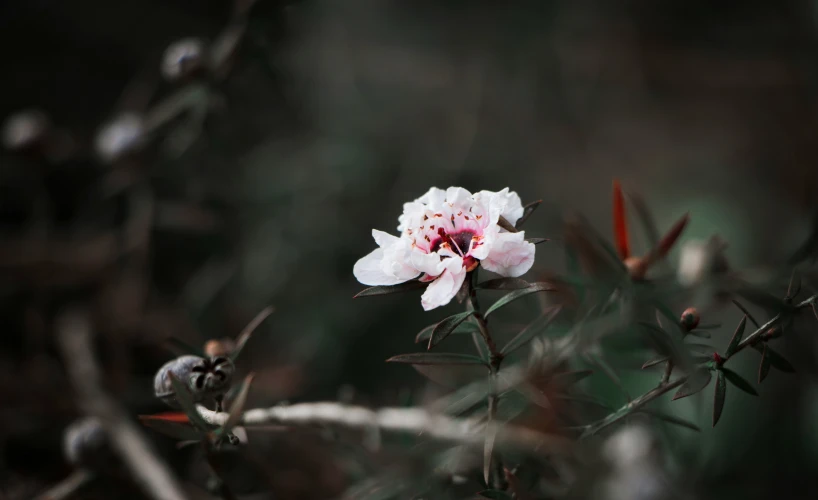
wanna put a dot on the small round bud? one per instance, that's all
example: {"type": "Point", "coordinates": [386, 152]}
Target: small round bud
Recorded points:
{"type": "Point", "coordinates": [773, 332]}
{"type": "Point", "coordinates": [25, 129]}
{"type": "Point", "coordinates": [182, 58]}
{"type": "Point", "coordinates": [86, 444]}
{"type": "Point", "coordinates": [205, 378]}
{"type": "Point", "coordinates": [121, 136]}
{"type": "Point", "coordinates": [636, 267]}
{"type": "Point", "coordinates": [219, 347]}
{"type": "Point", "coordinates": [690, 319]}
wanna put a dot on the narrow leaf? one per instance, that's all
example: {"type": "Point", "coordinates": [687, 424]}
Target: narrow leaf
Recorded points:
{"type": "Point", "coordinates": [446, 327]}
{"type": "Point", "coordinates": [516, 294]}
{"type": "Point", "coordinates": [464, 328]}
{"type": "Point", "coordinates": [671, 419]}
{"type": "Point", "coordinates": [245, 334]}
{"type": "Point", "coordinates": [387, 290]}
{"type": "Point", "coordinates": [776, 360]}
{"type": "Point", "coordinates": [734, 342]}
{"type": "Point", "coordinates": [620, 226]}
{"type": "Point", "coordinates": [739, 381]}
{"type": "Point", "coordinates": [746, 312]}
{"type": "Point", "coordinates": [436, 358]}
{"type": "Point", "coordinates": [505, 224]}
{"type": "Point", "coordinates": [794, 288]}
{"type": "Point", "coordinates": [702, 334]}
{"type": "Point", "coordinates": [237, 406]}
{"type": "Point", "coordinates": [527, 211]}
{"type": "Point", "coordinates": [527, 333]}
{"type": "Point", "coordinates": [654, 362]}
{"type": "Point", "coordinates": [698, 380]}
{"type": "Point", "coordinates": [496, 494]}
{"type": "Point", "coordinates": [537, 241]}
{"type": "Point", "coordinates": [567, 379]}
{"type": "Point", "coordinates": [719, 393]}
{"type": "Point", "coordinates": [764, 367]}
{"type": "Point", "coordinates": [176, 430]}
{"type": "Point", "coordinates": [188, 404]}
{"type": "Point", "coordinates": [503, 284]}
{"type": "Point", "coordinates": [645, 218]}
{"type": "Point", "coordinates": [607, 369]}
{"type": "Point", "coordinates": [666, 243]}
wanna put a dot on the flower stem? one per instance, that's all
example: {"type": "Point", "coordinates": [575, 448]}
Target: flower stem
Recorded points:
{"type": "Point", "coordinates": [497, 477]}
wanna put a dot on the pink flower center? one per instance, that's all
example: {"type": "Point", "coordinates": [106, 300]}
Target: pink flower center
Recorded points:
{"type": "Point", "coordinates": [459, 242]}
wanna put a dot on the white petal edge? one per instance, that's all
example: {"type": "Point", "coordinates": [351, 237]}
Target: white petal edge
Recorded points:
{"type": "Point", "coordinates": [510, 256]}
{"type": "Point", "coordinates": [443, 289]}
{"type": "Point", "coordinates": [368, 271]}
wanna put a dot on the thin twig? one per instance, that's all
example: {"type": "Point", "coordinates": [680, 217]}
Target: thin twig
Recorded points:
{"type": "Point", "coordinates": [407, 420]}
{"type": "Point", "coordinates": [67, 486]}
{"type": "Point", "coordinates": [149, 470]}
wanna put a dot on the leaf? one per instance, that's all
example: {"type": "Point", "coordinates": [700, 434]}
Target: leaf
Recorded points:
{"type": "Point", "coordinates": [702, 334]}
{"type": "Point", "coordinates": [671, 419]}
{"type": "Point", "coordinates": [739, 381]}
{"type": "Point", "coordinates": [746, 312]}
{"type": "Point", "coordinates": [527, 333]}
{"type": "Point", "coordinates": [171, 428]}
{"type": "Point", "coordinates": [387, 290]}
{"type": "Point", "coordinates": [719, 394]}
{"type": "Point", "coordinates": [496, 494]}
{"type": "Point", "coordinates": [776, 360]}
{"type": "Point", "coordinates": [188, 404]}
{"type": "Point", "coordinates": [570, 378]}
{"type": "Point", "coordinates": [516, 294]}
{"type": "Point", "coordinates": [505, 224]}
{"type": "Point", "coordinates": [436, 358]}
{"type": "Point", "coordinates": [537, 241]}
{"type": "Point", "coordinates": [764, 367]}
{"type": "Point", "coordinates": [464, 328]}
{"type": "Point", "coordinates": [527, 211]}
{"type": "Point", "coordinates": [236, 407]}
{"type": "Point", "coordinates": [597, 258]}
{"type": "Point", "coordinates": [245, 334]}
{"type": "Point", "coordinates": [698, 380]}
{"type": "Point", "coordinates": [734, 342]}
{"type": "Point", "coordinates": [503, 284]}
{"type": "Point", "coordinates": [794, 288]}
{"type": "Point", "coordinates": [620, 226]}
{"type": "Point", "coordinates": [446, 327]}
{"type": "Point", "coordinates": [654, 362]}
{"type": "Point", "coordinates": [645, 218]}
{"type": "Point", "coordinates": [667, 241]}
{"type": "Point", "coordinates": [604, 367]}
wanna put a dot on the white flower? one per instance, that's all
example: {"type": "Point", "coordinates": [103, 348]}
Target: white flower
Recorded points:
{"type": "Point", "coordinates": [444, 235]}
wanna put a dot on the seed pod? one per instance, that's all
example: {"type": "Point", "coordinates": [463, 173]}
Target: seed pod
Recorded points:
{"type": "Point", "coordinates": [183, 58]}
{"type": "Point", "coordinates": [86, 444]}
{"type": "Point", "coordinates": [205, 378]}
{"type": "Point", "coordinates": [690, 318]}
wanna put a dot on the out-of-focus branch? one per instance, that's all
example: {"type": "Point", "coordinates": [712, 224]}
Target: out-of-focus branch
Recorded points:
{"type": "Point", "coordinates": [408, 420]}
{"type": "Point", "coordinates": [74, 333]}
{"type": "Point", "coordinates": [67, 486]}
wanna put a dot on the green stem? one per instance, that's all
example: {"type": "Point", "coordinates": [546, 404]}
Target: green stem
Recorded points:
{"type": "Point", "coordinates": [497, 479]}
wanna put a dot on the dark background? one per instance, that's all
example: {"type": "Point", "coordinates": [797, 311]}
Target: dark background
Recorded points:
{"type": "Point", "coordinates": [334, 114]}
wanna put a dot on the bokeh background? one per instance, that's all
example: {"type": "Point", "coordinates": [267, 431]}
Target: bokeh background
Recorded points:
{"type": "Point", "coordinates": [333, 115]}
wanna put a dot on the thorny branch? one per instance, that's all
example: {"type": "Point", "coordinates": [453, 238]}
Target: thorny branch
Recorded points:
{"type": "Point", "coordinates": [151, 472]}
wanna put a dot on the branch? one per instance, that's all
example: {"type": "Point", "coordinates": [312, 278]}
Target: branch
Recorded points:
{"type": "Point", "coordinates": [67, 486]}
{"type": "Point", "coordinates": [409, 420]}
{"type": "Point", "coordinates": [74, 333]}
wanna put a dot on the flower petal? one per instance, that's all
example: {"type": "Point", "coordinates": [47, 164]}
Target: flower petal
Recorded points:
{"type": "Point", "coordinates": [442, 290]}
{"type": "Point", "coordinates": [368, 270]}
{"type": "Point", "coordinates": [428, 263]}
{"type": "Point", "coordinates": [458, 197]}
{"type": "Point", "coordinates": [510, 255]}
{"type": "Point", "coordinates": [384, 239]}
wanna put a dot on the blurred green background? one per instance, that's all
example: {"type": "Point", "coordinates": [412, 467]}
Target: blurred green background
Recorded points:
{"type": "Point", "coordinates": [337, 112]}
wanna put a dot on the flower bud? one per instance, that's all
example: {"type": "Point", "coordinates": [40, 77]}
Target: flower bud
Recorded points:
{"type": "Point", "coordinates": [86, 444]}
{"type": "Point", "coordinates": [219, 347]}
{"type": "Point", "coordinates": [690, 319]}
